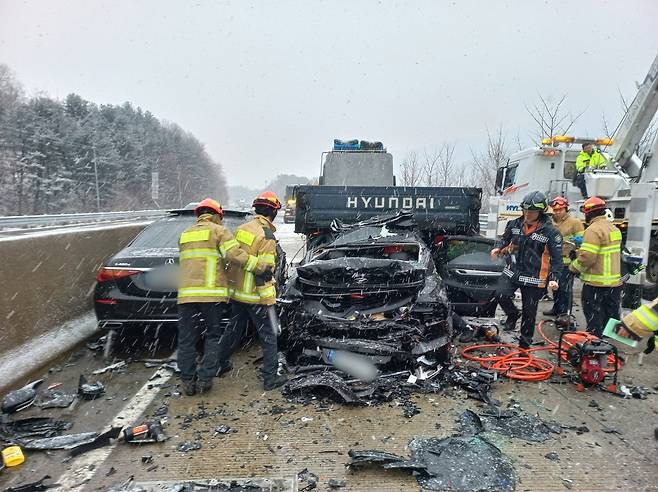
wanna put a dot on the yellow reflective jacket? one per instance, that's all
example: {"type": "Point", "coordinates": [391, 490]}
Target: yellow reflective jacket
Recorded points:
{"type": "Point", "coordinates": [205, 249]}
{"type": "Point", "coordinates": [570, 227]}
{"type": "Point", "coordinates": [594, 161]}
{"type": "Point", "coordinates": [644, 320]}
{"type": "Point", "coordinates": [599, 257]}
{"type": "Point", "coordinates": [256, 238]}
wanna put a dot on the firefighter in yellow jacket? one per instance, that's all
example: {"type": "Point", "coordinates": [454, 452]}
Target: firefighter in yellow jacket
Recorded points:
{"type": "Point", "coordinates": [599, 266]}
{"type": "Point", "coordinates": [572, 230]}
{"type": "Point", "coordinates": [203, 291]}
{"type": "Point", "coordinates": [253, 295]}
{"type": "Point", "coordinates": [641, 323]}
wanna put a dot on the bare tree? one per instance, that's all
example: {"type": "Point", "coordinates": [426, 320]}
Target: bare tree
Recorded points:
{"type": "Point", "coordinates": [430, 167]}
{"type": "Point", "coordinates": [551, 117]}
{"type": "Point", "coordinates": [411, 170]}
{"type": "Point", "coordinates": [485, 164]}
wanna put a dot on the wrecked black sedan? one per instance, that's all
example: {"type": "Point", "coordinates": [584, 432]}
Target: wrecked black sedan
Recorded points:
{"type": "Point", "coordinates": [370, 288]}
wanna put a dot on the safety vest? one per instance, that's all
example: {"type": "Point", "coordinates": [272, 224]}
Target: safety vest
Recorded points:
{"type": "Point", "coordinates": [594, 161]}
{"type": "Point", "coordinates": [599, 257]}
{"type": "Point", "coordinates": [570, 228]}
{"type": "Point", "coordinates": [644, 320]}
{"type": "Point", "coordinates": [205, 249]}
{"type": "Point", "coordinates": [256, 238]}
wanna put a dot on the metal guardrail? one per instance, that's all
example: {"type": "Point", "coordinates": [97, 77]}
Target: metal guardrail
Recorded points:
{"type": "Point", "coordinates": [26, 221]}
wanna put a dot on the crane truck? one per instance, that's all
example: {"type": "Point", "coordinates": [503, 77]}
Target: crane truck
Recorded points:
{"type": "Point", "coordinates": [629, 183]}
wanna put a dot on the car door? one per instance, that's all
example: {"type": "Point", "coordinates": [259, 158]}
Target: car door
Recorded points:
{"type": "Point", "coordinates": [469, 275]}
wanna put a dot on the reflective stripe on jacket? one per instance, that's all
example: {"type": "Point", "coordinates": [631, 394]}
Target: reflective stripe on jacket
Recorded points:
{"type": "Point", "coordinates": [644, 320]}
{"type": "Point", "coordinates": [599, 257]}
{"type": "Point", "coordinates": [205, 248]}
{"type": "Point", "coordinates": [570, 227]}
{"type": "Point", "coordinates": [256, 238]}
{"type": "Point", "coordinates": [538, 254]}
{"type": "Point", "coordinates": [594, 161]}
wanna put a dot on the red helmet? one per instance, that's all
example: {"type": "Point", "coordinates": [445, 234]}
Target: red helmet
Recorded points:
{"type": "Point", "coordinates": [211, 204]}
{"type": "Point", "coordinates": [559, 202]}
{"type": "Point", "coordinates": [268, 199]}
{"type": "Point", "coordinates": [593, 204]}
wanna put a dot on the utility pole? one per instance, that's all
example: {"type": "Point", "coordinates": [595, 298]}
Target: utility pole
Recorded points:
{"type": "Point", "coordinates": [98, 196]}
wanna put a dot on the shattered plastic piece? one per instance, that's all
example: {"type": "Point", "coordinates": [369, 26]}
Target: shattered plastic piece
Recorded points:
{"type": "Point", "coordinates": [112, 367]}
{"type": "Point", "coordinates": [103, 439]}
{"type": "Point", "coordinates": [553, 456]}
{"type": "Point", "coordinates": [19, 399]}
{"type": "Point", "coordinates": [223, 429]}
{"type": "Point", "coordinates": [90, 391]}
{"type": "Point", "coordinates": [33, 427]}
{"type": "Point", "coordinates": [461, 464]}
{"type": "Point", "coordinates": [56, 399]}
{"type": "Point", "coordinates": [324, 380]}
{"type": "Point", "coordinates": [512, 423]}
{"type": "Point", "coordinates": [68, 441]}
{"type": "Point", "coordinates": [33, 486]}
{"type": "Point", "coordinates": [189, 446]}
{"type": "Point", "coordinates": [410, 410]}
{"type": "Point", "coordinates": [336, 484]}
{"type": "Point", "coordinates": [310, 478]}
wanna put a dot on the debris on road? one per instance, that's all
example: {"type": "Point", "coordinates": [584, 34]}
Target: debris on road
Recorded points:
{"type": "Point", "coordinates": [32, 427]}
{"type": "Point", "coordinates": [19, 399]}
{"type": "Point", "coordinates": [90, 391]}
{"type": "Point", "coordinates": [310, 480]}
{"type": "Point", "coordinates": [33, 486]}
{"type": "Point", "coordinates": [511, 422]}
{"type": "Point", "coordinates": [67, 441]}
{"type": "Point", "coordinates": [460, 464]}
{"type": "Point", "coordinates": [112, 367]}
{"type": "Point", "coordinates": [149, 432]}
{"type": "Point", "coordinates": [188, 446]}
{"type": "Point", "coordinates": [55, 399]}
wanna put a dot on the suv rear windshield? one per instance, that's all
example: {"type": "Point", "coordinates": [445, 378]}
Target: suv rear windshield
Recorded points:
{"type": "Point", "coordinates": [165, 232]}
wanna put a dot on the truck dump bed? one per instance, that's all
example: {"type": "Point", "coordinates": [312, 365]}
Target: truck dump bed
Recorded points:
{"type": "Point", "coordinates": [451, 210]}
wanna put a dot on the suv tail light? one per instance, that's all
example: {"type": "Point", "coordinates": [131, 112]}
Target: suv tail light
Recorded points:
{"type": "Point", "coordinates": [106, 274]}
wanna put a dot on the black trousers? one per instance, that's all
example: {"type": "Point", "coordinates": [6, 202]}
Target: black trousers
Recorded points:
{"type": "Point", "coordinates": [237, 328]}
{"type": "Point", "coordinates": [530, 297]}
{"type": "Point", "coordinates": [579, 181]}
{"type": "Point", "coordinates": [599, 305]}
{"type": "Point", "coordinates": [564, 294]}
{"type": "Point", "coordinates": [196, 319]}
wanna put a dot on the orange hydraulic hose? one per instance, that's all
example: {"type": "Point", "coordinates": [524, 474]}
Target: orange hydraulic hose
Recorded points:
{"type": "Point", "coordinates": [516, 363]}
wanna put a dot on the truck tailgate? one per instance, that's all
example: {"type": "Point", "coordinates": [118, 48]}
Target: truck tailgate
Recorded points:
{"type": "Point", "coordinates": [452, 210]}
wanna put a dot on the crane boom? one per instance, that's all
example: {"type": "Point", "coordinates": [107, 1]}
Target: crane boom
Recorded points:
{"type": "Point", "coordinates": [636, 121]}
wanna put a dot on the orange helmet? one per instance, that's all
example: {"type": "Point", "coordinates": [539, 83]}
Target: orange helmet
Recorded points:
{"type": "Point", "coordinates": [211, 204]}
{"type": "Point", "coordinates": [268, 199]}
{"type": "Point", "coordinates": [559, 202]}
{"type": "Point", "coordinates": [593, 204]}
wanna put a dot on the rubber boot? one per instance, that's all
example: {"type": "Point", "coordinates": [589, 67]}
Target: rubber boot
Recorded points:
{"type": "Point", "coordinates": [277, 381]}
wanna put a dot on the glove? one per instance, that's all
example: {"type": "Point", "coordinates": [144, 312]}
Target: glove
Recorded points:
{"type": "Point", "coordinates": [267, 275]}
{"type": "Point", "coordinates": [651, 344]}
{"type": "Point", "coordinates": [578, 241]}
{"type": "Point", "coordinates": [573, 255]}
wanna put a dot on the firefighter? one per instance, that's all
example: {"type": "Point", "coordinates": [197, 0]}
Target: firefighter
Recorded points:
{"type": "Point", "coordinates": [571, 230]}
{"type": "Point", "coordinates": [599, 266]}
{"type": "Point", "coordinates": [533, 249]}
{"type": "Point", "coordinates": [641, 323]}
{"type": "Point", "coordinates": [203, 293]}
{"type": "Point", "coordinates": [588, 159]}
{"type": "Point", "coordinates": [254, 296]}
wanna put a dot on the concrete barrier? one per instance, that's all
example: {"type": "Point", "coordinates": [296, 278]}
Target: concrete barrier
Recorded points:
{"type": "Point", "coordinates": [48, 278]}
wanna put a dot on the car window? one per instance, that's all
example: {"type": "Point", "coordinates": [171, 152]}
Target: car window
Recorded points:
{"type": "Point", "coordinates": [165, 232]}
{"type": "Point", "coordinates": [456, 248]}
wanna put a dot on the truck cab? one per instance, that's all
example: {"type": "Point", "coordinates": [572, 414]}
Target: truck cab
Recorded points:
{"type": "Point", "coordinates": [357, 163]}
{"type": "Point", "coordinates": [551, 168]}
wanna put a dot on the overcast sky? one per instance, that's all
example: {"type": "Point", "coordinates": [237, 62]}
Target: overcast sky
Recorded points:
{"type": "Point", "coordinates": [266, 86]}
